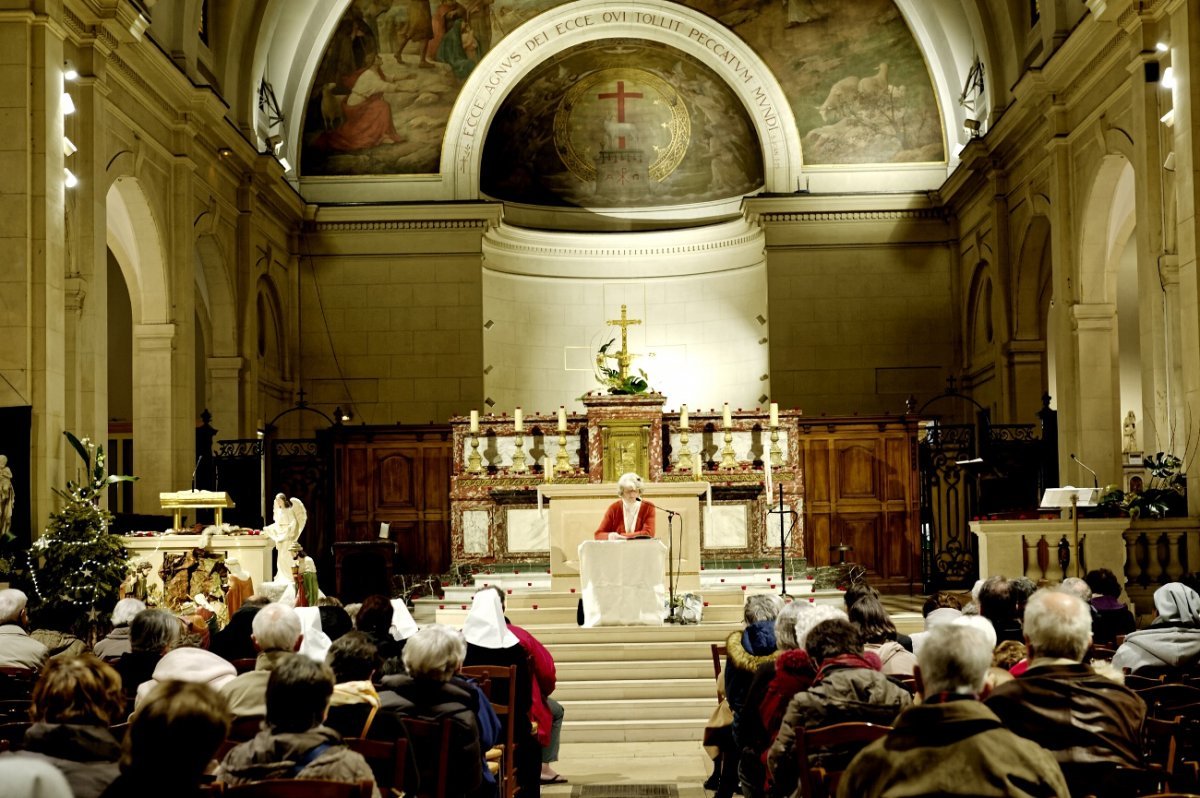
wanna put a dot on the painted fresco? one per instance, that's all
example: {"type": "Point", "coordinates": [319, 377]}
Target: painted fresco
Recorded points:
{"type": "Point", "coordinates": [620, 122]}
{"type": "Point", "coordinates": [385, 87]}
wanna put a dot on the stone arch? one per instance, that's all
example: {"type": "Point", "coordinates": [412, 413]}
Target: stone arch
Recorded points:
{"type": "Point", "coordinates": [1097, 231]}
{"type": "Point", "coordinates": [979, 334]}
{"type": "Point", "coordinates": [270, 342]}
{"type": "Point", "coordinates": [586, 20]}
{"type": "Point", "coordinates": [1031, 274]}
{"type": "Point", "coordinates": [135, 237]}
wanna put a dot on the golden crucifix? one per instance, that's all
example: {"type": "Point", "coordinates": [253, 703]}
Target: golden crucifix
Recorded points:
{"type": "Point", "coordinates": [623, 357]}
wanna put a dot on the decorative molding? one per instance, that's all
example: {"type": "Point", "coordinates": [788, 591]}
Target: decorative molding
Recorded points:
{"type": "Point", "coordinates": [379, 226]}
{"type": "Point", "coordinates": [590, 252]}
{"type": "Point", "coordinates": [121, 67]}
{"type": "Point", "coordinates": [932, 214]}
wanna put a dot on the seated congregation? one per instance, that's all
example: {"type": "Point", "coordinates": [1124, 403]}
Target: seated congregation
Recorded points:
{"type": "Point", "coordinates": [358, 696]}
{"type": "Point", "coordinates": [1009, 691]}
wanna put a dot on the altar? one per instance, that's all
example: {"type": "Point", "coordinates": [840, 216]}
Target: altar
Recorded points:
{"type": "Point", "coordinates": [252, 551]}
{"type": "Point", "coordinates": [623, 582]}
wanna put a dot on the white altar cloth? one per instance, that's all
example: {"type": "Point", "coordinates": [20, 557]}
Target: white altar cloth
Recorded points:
{"type": "Point", "coordinates": [622, 582]}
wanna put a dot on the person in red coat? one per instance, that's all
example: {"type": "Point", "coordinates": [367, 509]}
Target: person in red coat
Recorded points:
{"type": "Point", "coordinates": [628, 517]}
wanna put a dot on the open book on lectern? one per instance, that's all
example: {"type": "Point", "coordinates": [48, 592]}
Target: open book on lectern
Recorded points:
{"type": "Point", "coordinates": [1057, 498]}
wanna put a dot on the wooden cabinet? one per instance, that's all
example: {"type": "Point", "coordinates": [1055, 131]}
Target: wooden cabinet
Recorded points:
{"type": "Point", "coordinates": [860, 484]}
{"type": "Point", "coordinates": [399, 475]}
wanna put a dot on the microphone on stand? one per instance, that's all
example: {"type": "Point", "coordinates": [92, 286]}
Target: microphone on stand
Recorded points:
{"type": "Point", "coordinates": [1095, 479]}
{"type": "Point", "coordinates": [663, 509]}
{"type": "Point", "coordinates": [194, 470]}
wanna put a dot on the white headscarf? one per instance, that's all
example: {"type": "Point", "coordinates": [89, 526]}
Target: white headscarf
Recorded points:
{"type": "Point", "coordinates": [485, 626]}
{"type": "Point", "coordinates": [316, 643]}
{"type": "Point", "coordinates": [403, 625]}
{"type": "Point", "coordinates": [1177, 603]}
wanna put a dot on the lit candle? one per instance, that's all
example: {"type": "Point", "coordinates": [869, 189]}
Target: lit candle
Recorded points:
{"type": "Point", "coordinates": [728, 417]}
{"type": "Point", "coordinates": [518, 419]}
{"type": "Point", "coordinates": [562, 418]}
{"type": "Point", "coordinates": [683, 417]}
{"type": "Point", "coordinates": [774, 414]}
{"type": "Point", "coordinates": [474, 421]}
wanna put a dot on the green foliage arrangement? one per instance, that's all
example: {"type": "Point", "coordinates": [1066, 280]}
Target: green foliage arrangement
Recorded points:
{"type": "Point", "coordinates": [610, 377]}
{"type": "Point", "coordinates": [77, 566]}
{"type": "Point", "coordinates": [1164, 497]}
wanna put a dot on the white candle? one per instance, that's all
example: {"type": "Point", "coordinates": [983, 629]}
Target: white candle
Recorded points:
{"type": "Point", "coordinates": [683, 417]}
{"type": "Point", "coordinates": [696, 468]}
{"type": "Point", "coordinates": [774, 414]}
{"type": "Point", "coordinates": [518, 419]}
{"type": "Point", "coordinates": [728, 417]}
{"type": "Point", "coordinates": [562, 418]}
{"type": "Point", "coordinates": [474, 421]}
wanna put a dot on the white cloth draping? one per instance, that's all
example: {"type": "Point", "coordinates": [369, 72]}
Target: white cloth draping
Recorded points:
{"type": "Point", "coordinates": [622, 582]}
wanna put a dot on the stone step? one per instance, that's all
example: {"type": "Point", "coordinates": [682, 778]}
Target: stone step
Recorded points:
{"type": "Point", "coordinates": [633, 731]}
{"type": "Point", "coordinates": [629, 689]}
{"type": "Point", "coordinates": [634, 669]}
{"type": "Point", "coordinates": [678, 709]}
{"type": "Point", "coordinates": [626, 652]}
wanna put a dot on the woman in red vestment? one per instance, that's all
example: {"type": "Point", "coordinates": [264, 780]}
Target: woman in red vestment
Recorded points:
{"type": "Point", "coordinates": [629, 516]}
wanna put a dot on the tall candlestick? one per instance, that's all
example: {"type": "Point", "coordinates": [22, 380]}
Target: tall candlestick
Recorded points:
{"type": "Point", "coordinates": [562, 418]}
{"type": "Point", "coordinates": [728, 416]}
{"type": "Point", "coordinates": [475, 421]}
{"type": "Point", "coordinates": [683, 417]}
{"type": "Point", "coordinates": [774, 414]}
{"type": "Point", "coordinates": [518, 421]}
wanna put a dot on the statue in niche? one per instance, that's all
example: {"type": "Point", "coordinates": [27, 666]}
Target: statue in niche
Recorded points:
{"type": "Point", "coordinates": [1129, 427]}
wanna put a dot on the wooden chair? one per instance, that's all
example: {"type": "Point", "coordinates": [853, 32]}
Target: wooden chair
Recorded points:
{"type": "Point", "coordinates": [430, 741]}
{"type": "Point", "coordinates": [1161, 699]}
{"type": "Point", "coordinates": [844, 738]}
{"type": "Point", "coordinates": [243, 665]}
{"type": "Point", "coordinates": [718, 657]}
{"type": "Point", "coordinates": [503, 686]}
{"type": "Point", "coordinates": [14, 734]}
{"type": "Point", "coordinates": [17, 683]}
{"type": "Point", "coordinates": [14, 710]}
{"type": "Point", "coordinates": [387, 760]}
{"type": "Point", "coordinates": [300, 788]}
{"type": "Point", "coordinates": [1108, 780]}
{"type": "Point", "coordinates": [1160, 745]}
{"type": "Point", "coordinates": [1135, 682]}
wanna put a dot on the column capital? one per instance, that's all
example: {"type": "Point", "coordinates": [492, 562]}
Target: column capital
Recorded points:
{"type": "Point", "coordinates": [155, 336]}
{"type": "Point", "coordinates": [1093, 316]}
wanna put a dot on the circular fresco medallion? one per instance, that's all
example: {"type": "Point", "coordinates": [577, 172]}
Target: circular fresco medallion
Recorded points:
{"type": "Point", "coordinates": [622, 109]}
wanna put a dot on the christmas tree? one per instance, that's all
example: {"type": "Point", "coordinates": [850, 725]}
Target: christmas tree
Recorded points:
{"type": "Point", "coordinates": [77, 565]}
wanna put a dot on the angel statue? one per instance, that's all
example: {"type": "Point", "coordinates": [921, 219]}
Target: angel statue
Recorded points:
{"type": "Point", "coordinates": [290, 516]}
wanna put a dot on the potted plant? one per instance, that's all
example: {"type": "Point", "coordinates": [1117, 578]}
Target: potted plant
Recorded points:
{"type": "Point", "coordinates": [1164, 497]}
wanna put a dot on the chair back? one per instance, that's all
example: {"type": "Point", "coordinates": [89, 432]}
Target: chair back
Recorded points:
{"type": "Point", "coordinates": [244, 665]}
{"type": "Point", "coordinates": [14, 710]}
{"type": "Point", "coordinates": [1109, 780]}
{"type": "Point", "coordinates": [503, 698]}
{"type": "Point", "coordinates": [1163, 698]}
{"type": "Point", "coordinates": [14, 733]}
{"type": "Point", "coordinates": [17, 683]}
{"type": "Point", "coordinates": [846, 739]}
{"type": "Point", "coordinates": [430, 740]}
{"type": "Point", "coordinates": [1135, 682]}
{"type": "Point", "coordinates": [718, 657]}
{"type": "Point", "coordinates": [1160, 745]}
{"type": "Point", "coordinates": [300, 788]}
{"type": "Point", "coordinates": [386, 758]}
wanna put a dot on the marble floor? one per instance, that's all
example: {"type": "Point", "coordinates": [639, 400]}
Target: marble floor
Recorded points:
{"type": "Point", "coordinates": [683, 764]}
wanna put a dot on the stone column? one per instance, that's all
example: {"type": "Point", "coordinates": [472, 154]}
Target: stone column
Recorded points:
{"type": "Point", "coordinates": [224, 376]}
{"type": "Point", "coordinates": [154, 425]}
{"type": "Point", "coordinates": [32, 230]}
{"type": "Point", "coordinates": [1099, 441]}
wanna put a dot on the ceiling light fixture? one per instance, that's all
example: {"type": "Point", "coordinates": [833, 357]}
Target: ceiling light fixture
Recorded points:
{"type": "Point", "coordinates": [70, 179]}
{"type": "Point", "coordinates": [68, 105]}
{"type": "Point", "coordinates": [69, 147]}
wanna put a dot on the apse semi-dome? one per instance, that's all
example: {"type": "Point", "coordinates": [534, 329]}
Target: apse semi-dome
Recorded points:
{"type": "Point", "coordinates": [621, 123]}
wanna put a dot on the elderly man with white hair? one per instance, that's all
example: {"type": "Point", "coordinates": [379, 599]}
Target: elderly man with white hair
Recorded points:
{"type": "Point", "coordinates": [950, 743]}
{"type": "Point", "coordinates": [629, 516]}
{"type": "Point", "coordinates": [1081, 717]}
{"type": "Point", "coordinates": [17, 648]}
{"type": "Point", "coordinates": [277, 632]}
{"type": "Point", "coordinates": [117, 643]}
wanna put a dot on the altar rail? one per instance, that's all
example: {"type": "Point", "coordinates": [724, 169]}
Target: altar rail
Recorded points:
{"type": "Point", "coordinates": [1148, 552]}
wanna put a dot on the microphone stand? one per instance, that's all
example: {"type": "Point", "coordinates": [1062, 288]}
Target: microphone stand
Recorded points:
{"type": "Point", "coordinates": [783, 543]}
{"type": "Point", "coordinates": [671, 569]}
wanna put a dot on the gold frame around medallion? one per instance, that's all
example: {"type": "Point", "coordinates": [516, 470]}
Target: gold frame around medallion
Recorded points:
{"type": "Point", "coordinates": [668, 158]}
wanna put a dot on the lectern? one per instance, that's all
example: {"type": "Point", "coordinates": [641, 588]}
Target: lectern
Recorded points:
{"type": "Point", "coordinates": [1074, 498]}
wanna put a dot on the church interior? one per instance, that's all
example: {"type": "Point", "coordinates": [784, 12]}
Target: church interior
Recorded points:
{"type": "Point", "coordinates": [845, 283]}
